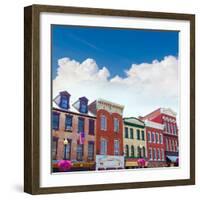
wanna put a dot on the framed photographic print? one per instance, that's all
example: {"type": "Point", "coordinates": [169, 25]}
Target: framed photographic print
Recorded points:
{"type": "Point", "coordinates": [109, 99]}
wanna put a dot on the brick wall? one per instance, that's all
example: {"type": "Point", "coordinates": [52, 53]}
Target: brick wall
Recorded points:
{"type": "Point", "coordinates": [109, 134]}
{"type": "Point", "coordinates": [73, 135]}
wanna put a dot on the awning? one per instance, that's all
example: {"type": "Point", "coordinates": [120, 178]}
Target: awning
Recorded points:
{"type": "Point", "coordinates": [173, 159]}
{"type": "Point", "coordinates": [131, 163]}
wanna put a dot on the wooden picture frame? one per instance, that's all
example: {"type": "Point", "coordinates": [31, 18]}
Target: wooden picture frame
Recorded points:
{"type": "Point", "coordinates": [32, 98]}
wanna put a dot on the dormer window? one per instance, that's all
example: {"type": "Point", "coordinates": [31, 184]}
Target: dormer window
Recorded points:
{"type": "Point", "coordinates": [64, 102]}
{"type": "Point", "coordinates": [83, 106]}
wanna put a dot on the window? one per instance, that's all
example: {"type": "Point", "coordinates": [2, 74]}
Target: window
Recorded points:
{"type": "Point", "coordinates": [157, 138]}
{"type": "Point", "coordinates": [116, 147]}
{"type": "Point", "coordinates": [170, 145]}
{"type": "Point", "coordinates": [168, 128]}
{"type": "Point", "coordinates": [153, 137]}
{"type": "Point", "coordinates": [173, 147]}
{"type": "Point", "coordinates": [81, 125]}
{"type": "Point", "coordinates": [56, 121]}
{"type": "Point", "coordinates": [150, 154]}
{"type": "Point", "coordinates": [143, 152]}
{"type": "Point", "coordinates": [143, 138]}
{"type": "Point", "coordinates": [126, 132]}
{"type": "Point", "coordinates": [83, 107]}
{"type": "Point", "coordinates": [64, 102]}
{"type": "Point", "coordinates": [167, 144]}
{"type": "Point", "coordinates": [103, 123]}
{"type": "Point", "coordinates": [175, 130]}
{"type": "Point", "coordinates": [163, 154]}
{"type": "Point", "coordinates": [127, 151]}
{"type": "Point", "coordinates": [131, 133]}
{"type": "Point", "coordinates": [154, 154]}
{"type": "Point", "coordinates": [139, 152]}
{"type": "Point", "coordinates": [68, 122]}
{"type": "Point", "coordinates": [172, 129]}
{"type": "Point", "coordinates": [165, 127]}
{"type": "Point", "coordinates": [132, 151]}
{"type": "Point", "coordinates": [158, 155]}
{"type": "Point", "coordinates": [138, 134]}
{"type": "Point", "coordinates": [90, 150]}
{"type": "Point", "coordinates": [54, 149]}
{"type": "Point", "coordinates": [67, 150]}
{"type": "Point", "coordinates": [103, 150]}
{"type": "Point", "coordinates": [79, 152]}
{"type": "Point", "coordinates": [149, 136]}
{"type": "Point", "coordinates": [91, 126]}
{"type": "Point", "coordinates": [161, 139]}
{"type": "Point", "coordinates": [116, 125]}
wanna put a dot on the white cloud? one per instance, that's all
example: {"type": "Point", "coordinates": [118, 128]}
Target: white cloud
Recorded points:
{"type": "Point", "coordinates": [145, 87]}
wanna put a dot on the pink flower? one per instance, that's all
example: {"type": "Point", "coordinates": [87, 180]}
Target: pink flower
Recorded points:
{"type": "Point", "coordinates": [64, 165]}
{"type": "Point", "coordinates": [141, 162]}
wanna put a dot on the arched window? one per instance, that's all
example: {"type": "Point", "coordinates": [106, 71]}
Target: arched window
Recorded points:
{"type": "Point", "coordinates": [167, 145]}
{"type": "Point", "coordinates": [103, 123]}
{"type": "Point", "coordinates": [143, 152]}
{"type": "Point", "coordinates": [149, 136]}
{"type": "Point", "coordinates": [132, 151]}
{"type": "Point", "coordinates": [161, 139]}
{"type": "Point", "coordinates": [154, 154]}
{"type": "Point", "coordinates": [170, 145]}
{"type": "Point", "coordinates": [173, 147]}
{"type": "Point", "coordinates": [127, 151]}
{"type": "Point", "coordinates": [138, 152]}
{"type": "Point", "coordinates": [163, 154]}
{"type": "Point", "coordinates": [158, 155]}
{"type": "Point", "coordinates": [150, 154]}
{"type": "Point", "coordinates": [103, 150]}
{"type": "Point", "coordinates": [175, 130]}
{"type": "Point", "coordinates": [138, 134]}
{"type": "Point", "coordinates": [168, 125]}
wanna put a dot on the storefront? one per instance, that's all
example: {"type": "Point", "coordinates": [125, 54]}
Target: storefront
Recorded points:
{"type": "Point", "coordinates": [104, 162]}
{"type": "Point", "coordinates": [132, 163]}
{"type": "Point", "coordinates": [172, 159]}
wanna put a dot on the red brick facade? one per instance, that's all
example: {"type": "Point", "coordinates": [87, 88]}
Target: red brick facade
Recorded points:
{"type": "Point", "coordinates": [109, 135]}
{"type": "Point", "coordinates": [170, 134]}
{"type": "Point", "coordinates": [155, 147]}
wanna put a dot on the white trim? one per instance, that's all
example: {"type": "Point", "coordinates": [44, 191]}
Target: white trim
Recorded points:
{"type": "Point", "coordinates": [154, 125]}
{"type": "Point", "coordinates": [109, 102]}
{"type": "Point", "coordinates": [168, 111]}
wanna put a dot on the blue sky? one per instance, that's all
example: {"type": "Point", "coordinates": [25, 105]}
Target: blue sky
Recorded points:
{"type": "Point", "coordinates": [116, 49]}
{"type": "Point", "coordinates": [134, 68]}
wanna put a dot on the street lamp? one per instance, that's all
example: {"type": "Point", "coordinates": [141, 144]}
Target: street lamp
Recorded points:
{"type": "Point", "coordinates": [65, 142]}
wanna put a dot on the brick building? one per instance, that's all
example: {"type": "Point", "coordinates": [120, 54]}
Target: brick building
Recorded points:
{"type": "Point", "coordinates": [155, 144]}
{"type": "Point", "coordinates": [109, 134]}
{"type": "Point", "coordinates": [167, 117]}
{"type": "Point", "coordinates": [73, 132]}
{"type": "Point", "coordinates": [134, 141]}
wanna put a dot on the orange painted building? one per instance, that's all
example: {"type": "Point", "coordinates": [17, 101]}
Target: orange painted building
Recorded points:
{"type": "Point", "coordinates": [74, 124]}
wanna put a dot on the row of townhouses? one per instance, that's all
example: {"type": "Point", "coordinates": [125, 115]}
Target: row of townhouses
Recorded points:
{"type": "Point", "coordinates": [95, 136]}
